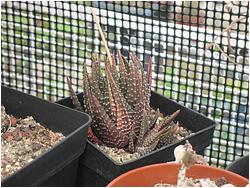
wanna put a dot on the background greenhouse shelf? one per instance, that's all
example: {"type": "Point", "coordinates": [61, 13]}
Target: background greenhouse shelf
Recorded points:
{"type": "Point", "coordinates": [43, 42]}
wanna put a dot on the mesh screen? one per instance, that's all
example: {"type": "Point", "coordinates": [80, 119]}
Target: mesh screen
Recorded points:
{"type": "Point", "coordinates": [42, 42]}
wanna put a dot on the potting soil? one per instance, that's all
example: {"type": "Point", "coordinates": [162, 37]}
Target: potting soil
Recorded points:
{"type": "Point", "coordinates": [202, 182]}
{"type": "Point", "coordinates": [121, 156]}
{"type": "Point", "coordinates": [22, 141]}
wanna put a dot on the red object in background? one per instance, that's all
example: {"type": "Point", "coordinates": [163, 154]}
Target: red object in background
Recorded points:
{"type": "Point", "coordinates": [164, 2]}
{"type": "Point", "coordinates": [190, 20]}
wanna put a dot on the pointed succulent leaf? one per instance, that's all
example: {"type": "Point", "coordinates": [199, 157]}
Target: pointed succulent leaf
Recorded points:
{"type": "Point", "coordinates": [123, 75]}
{"type": "Point", "coordinates": [154, 119]}
{"type": "Point", "coordinates": [167, 120]}
{"type": "Point", "coordinates": [113, 65]}
{"type": "Point", "coordinates": [93, 138]}
{"type": "Point", "coordinates": [107, 131]}
{"type": "Point", "coordinates": [113, 69]}
{"type": "Point", "coordinates": [123, 69]}
{"type": "Point", "coordinates": [149, 74]}
{"type": "Point", "coordinates": [86, 88]}
{"type": "Point", "coordinates": [155, 137]}
{"type": "Point", "coordinates": [131, 95]}
{"type": "Point", "coordinates": [149, 82]}
{"type": "Point", "coordinates": [168, 137]}
{"type": "Point", "coordinates": [143, 129]}
{"type": "Point", "coordinates": [145, 150]}
{"type": "Point", "coordinates": [143, 80]}
{"type": "Point", "coordinates": [74, 98]}
{"type": "Point", "coordinates": [113, 112]}
{"type": "Point", "coordinates": [122, 107]}
{"type": "Point", "coordinates": [94, 82]}
{"type": "Point", "coordinates": [151, 143]}
{"type": "Point", "coordinates": [131, 147]}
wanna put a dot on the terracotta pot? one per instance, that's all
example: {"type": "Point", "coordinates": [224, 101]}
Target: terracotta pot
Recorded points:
{"type": "Point", "coordinates": [167, 173]}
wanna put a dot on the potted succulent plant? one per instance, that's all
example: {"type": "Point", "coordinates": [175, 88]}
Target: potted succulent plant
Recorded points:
{"type": "Point", "coordinates": [42, 149]}
{"type": "Point", "coordinates": [132, 126]}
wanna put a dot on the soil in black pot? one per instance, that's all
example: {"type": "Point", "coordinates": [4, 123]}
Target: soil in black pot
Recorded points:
{"type": "Point", "coordinates": [22, 141]}
{"type": "Point", "coordinates": [122, 156]}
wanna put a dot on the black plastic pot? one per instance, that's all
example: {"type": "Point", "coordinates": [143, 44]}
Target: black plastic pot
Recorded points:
{"type": "Point", "coordinates": [57, 166]}
{"type": "Point", "coordinates": [240, 166]}
{"type": "Point", "coordinates": [97, 169]}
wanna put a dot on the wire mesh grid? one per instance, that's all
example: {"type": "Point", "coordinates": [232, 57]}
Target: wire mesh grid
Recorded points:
{"type": "Point", "coordinates": [43, 42]}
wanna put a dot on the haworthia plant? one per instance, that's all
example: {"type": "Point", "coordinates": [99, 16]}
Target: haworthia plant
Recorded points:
{"type": "Point", "coordinates": [118, 101]}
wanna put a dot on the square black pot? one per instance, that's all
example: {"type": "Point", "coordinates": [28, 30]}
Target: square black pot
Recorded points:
{"type": "Point", "coordinates": [97, 169]}
{"type": "Point", "coordinates": [58, 165]}
{"type": "Point", "coordinates": [240, 166]}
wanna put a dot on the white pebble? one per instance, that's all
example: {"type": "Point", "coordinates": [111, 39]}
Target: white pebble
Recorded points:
{"type": "Point", "coordinates": [228, 185]}
{"type": "Point", "coordinates": [179, 153]}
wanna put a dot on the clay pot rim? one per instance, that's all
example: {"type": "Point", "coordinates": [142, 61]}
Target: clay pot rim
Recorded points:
{"type": "Point", "coordinates": [173, 164]}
